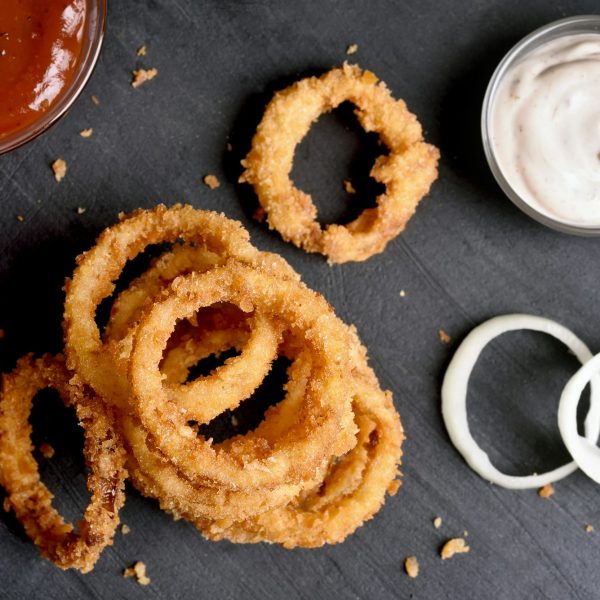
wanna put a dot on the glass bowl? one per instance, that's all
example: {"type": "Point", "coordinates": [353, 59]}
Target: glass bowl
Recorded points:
{"type": "Point", "coordinates": [90, 50]}
{"type": "Point", "coordinates": [570, 26]}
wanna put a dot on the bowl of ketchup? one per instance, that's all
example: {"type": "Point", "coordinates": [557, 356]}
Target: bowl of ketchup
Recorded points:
{"type": "Point", "coordinates": [48, 50]}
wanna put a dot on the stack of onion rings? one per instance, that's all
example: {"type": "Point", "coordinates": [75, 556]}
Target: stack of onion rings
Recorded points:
{"type": "Point", "coordinates": [407, 171]}
{"type": "Point", "coordinates": [317, 466]}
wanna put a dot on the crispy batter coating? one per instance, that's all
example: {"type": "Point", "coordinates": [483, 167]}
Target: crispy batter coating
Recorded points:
{"type": "Point", "coordinates": [407, 171]}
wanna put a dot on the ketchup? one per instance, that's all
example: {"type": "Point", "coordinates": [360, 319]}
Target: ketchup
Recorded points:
{"type": "Point", "coordinates": [40, 47]}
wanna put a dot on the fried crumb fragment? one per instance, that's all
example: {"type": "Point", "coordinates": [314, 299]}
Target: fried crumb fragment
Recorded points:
{"type": "Point", "coordinates": [47, 450]}
{"type": "Point", "coordinates": [402, 293]}
{"type": "Point", "coordinates": [234, 421]}
{"type": "Point", "coordinates": [352, 49]}
{"type": "Point", "coordinates": [437, 522]}
{"type": "Point", "coordinates": [211, 181]}
{"type": "Point", "coordinates": [411, 566]}
{"type": "Point", "coordinates": [59, 167]}
{"type": "Point", "coordinates": [138, 570]}
{"type": "Point", "coordinates": [140, 76]}
{"type": "Point", "coordinates": [546, 491]}
{"type": "Point", "coordinates": [589, 528]}
{"type": "Point", "coordinates": [20, 218]}
{"type": "Point", "coordinates": [6, 505]}
{"type": "Point", "coordinates": [454, 546]}
{"type": "Point", "coordinates": [86, 133]}
{"type": "Point", "coordinates": [141, 51]}
{"type": "Point", "coordinates": [125, 529]}
{"type": "Point", "coordinates": [349, 187]}
{"type": "Point", "coordinates": [229, 147]}
{"type": "Point", "coordinates": [95, 100]}
{"type": "Point", "coordinates": [444, 337]}
{"type": "Point", "coordinates": [80, 210]}
{"type": "Point", "coordinates": [393, 488]}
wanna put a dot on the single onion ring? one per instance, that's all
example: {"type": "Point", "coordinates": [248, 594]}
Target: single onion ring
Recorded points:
{"type": "Point", "coordinates": [19, 474]}
{"type": "Point", "coordinates": [584, 452]}
{"type": "Point", "coordinates": [247, 461]}
{"type": "Point", "coordinates": [407, 171]}
{"type": "Point", "coordinates": [454, 396]}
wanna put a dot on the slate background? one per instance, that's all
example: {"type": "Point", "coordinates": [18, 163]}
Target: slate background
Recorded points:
{"type": "Point", "coordinates": [467, 255]}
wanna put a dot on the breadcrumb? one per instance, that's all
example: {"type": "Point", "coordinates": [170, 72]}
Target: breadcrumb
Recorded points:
{"type": "Point", "coordinates": [229, 147]}
{"type": "Point", "coordinates": [211, 181]}
{"type": "Point", "coordinates": [234, 421]}
{"type": "Point", "coordinates": [411, 566]}
{"type": "Point", "coordinates": [125, 529]}
{"type": "Point", "coordinates": [141, 51]}
{"type": "Point", "coordinates": [402, 293]}
{"type": "Point", "coordinates": [393, 488]}
{"type": "Point", "coordinates": [546, 491]}
{"type": "Point", "coordinates": [352, 49]}
{"type": "Point", "coordinates": [59, 167]}
{"type": "Point", "coordinates": [139, 572]}
{"type": "Point", "coordinates": [437, 522]}
{"type": "Point", "coordinates": [20, 218]}
{"type": "Point", "coordinates": [349, 187]}
{"type": "Point", "coordinates": [589, 528]}
{"type": "Point", "coordinates": [452, 547]}
{"type": "Point", "coordinates": [47, 450]}
{"type": "Point", "coordinates": [140, 76]}
{"type": "Point", "coordinates": [95, 100]}
{"type": "Point", "coordinates": [444, 337]}
{"type": "Point", "coordinates": [86, 133]}
{"type": "Point", "coordinates": [80, 210]}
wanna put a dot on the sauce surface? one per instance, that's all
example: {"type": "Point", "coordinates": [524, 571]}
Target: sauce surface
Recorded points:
{"type": "Point", "coordinates": [40, 45]}
{"type": "Point", "coordinates": [545, 129]}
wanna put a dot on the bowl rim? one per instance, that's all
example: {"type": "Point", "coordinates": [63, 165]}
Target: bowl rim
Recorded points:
{"type": "Point", "coordinates": [89, 59]}
{"type": "Point", "coordinates": [553, 30]}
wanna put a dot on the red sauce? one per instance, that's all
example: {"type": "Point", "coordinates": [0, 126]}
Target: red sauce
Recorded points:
{"type": "Point", "coordinates": [40, 46]}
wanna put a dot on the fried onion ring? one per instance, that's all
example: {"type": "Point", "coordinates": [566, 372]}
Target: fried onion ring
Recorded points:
{"type": "Point", "coordinates": [19, 474]}
{"type": "Point", "coordinates": [407, 171]}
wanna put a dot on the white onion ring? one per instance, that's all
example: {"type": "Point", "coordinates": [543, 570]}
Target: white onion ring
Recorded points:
{"type": "Point", "coordinates": [454, 396]}
{"type": "Point", "coordinates": [584, 452]}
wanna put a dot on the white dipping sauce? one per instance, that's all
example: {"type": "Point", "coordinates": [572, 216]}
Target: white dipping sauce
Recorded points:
{"type": "Point", "coordinates": [545, 129]}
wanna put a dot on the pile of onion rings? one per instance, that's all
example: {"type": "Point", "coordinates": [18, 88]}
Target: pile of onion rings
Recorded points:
{"type": "Point", "coordinates": [407, 171]}
{"type": "Point", "coordinates": [317, 466]}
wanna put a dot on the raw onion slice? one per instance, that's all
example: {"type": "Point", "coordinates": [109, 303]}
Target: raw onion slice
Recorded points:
{"type": "Point", "coordinates": [454, 396]}
{"type": "Point", "coordinates": [584, 452]}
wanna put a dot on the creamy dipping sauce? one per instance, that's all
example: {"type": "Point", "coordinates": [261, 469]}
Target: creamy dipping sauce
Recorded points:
{"type": "Point", "coordinates": [545, 129]}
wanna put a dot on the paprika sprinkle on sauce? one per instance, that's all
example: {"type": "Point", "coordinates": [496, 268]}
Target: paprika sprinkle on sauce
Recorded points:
{"type": "Point", "coordinates": [40, 47]}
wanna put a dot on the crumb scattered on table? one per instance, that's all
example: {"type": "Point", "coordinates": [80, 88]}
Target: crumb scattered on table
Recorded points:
{"type": "Point", "coordinates": [349, 187]}
{"type": "Point", "coordinates": [139, 572]}
{"type": "Point", "coordinates": [393, 488]}
{"type": "Point", "coordinates": [20, 218]}
{"type": "Point", "coordinates": [589, 528]}
{"type": "Point", "coordinates": [125, 529]}
{"type": "Point", "coordinates": [47, 450]}
{"type": "Point", "coordinates": [141, 51]}
{"type": "Point", "coordinates": [234, 421]}
{"type": "Point", "coordinates": [140, 76]}
{"type": "Point", "coordinates": [546, 491]}
{"type": "Point", "coordinates": [402, 293]}
{"type": "Point", "coordinates": [411, 566]}
{"type": "Point", "coordinates": [452, 547]}
{"type": "Point", "coordinates": [80, 210]}
{"type": "Point", "coordinates": [95, 100]}
{"type": "Point", "coordinates": [444, 337]}
{"type": "Point", "coordinates": [229, 147]}
{"type": "Point", "coordinates": [352, 49]}
{"type": "Point", "coordinates": [437, 522]}
{"type": "Point", "coordinates": [59, 167]}
{"type": "Point", "coordinates": [211, 181]}
{"type": "Point", "coordinates": [86, 133]}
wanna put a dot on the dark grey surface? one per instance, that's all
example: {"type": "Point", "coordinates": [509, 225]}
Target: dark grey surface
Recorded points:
{"type": "Point", "coordinates": [466, 256]}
